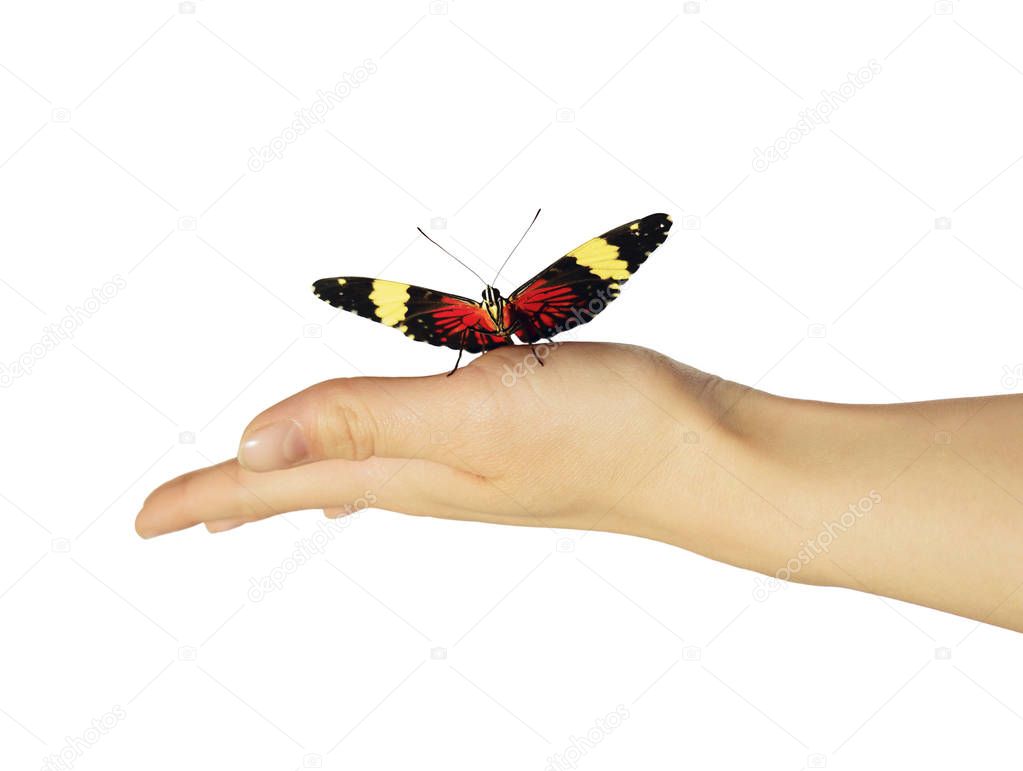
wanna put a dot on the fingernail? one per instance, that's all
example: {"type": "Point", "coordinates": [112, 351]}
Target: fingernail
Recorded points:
{"type": "Point", "coordinates": [275, 446]}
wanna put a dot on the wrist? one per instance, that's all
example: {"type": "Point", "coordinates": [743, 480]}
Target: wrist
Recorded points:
{"type": "Point", "coordinates": [775, 485]}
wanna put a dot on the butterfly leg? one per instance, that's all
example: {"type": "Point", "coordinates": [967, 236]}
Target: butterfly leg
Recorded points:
{"type": "Point", "coordinates": [515, 327]}
{"type": "Point", "coordinates": [461, 349]}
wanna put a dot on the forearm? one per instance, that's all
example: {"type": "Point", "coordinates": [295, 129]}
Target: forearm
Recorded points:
{"type": "Point", "coordinates": [921, 502]}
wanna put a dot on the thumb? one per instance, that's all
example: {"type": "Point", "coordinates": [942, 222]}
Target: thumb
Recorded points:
{"type": "Point", "coordinates": [360, 418]}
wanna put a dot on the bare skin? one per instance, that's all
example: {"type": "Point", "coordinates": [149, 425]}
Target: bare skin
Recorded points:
{"type": "Point", "coordinates": [921, 502]}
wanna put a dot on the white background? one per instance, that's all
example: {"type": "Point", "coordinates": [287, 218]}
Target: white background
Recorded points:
{"type": "Point", "coordinates": [124, 151]}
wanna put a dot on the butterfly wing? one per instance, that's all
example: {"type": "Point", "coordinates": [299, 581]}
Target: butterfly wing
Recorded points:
{"type": "Point", "coordinates": [574, 289]}
{"type": "Point", "coordinates": [421, 314]}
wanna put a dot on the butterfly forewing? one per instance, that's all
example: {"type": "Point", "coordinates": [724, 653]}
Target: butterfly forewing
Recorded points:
{"type": "Point", "coordinates": [577, 287]}
{"type": "Point", "coordinates": [419, 313]}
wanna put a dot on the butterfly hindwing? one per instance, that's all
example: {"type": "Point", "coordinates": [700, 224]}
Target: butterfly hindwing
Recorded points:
{"type": "Point", "coordinates": [575, 288]}
{"type": "Point", "coordinates": [421, 314]}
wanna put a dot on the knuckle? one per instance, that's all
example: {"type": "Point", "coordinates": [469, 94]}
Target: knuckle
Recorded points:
{"type": "Point", "coordinates": [346, 427]}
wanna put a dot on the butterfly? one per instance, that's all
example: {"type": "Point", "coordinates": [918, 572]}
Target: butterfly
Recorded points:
{"type": "Point", "coordinates": [567, 293]}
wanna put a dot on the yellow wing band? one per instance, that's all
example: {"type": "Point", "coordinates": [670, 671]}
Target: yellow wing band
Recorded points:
{"type": "Point", "coordinates": [391, 301]}
{"type": "Point", "coordinates": [601, 259]}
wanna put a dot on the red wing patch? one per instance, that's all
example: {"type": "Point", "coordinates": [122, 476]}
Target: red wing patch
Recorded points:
{"type": "Point", "coordinates": [543, 308]}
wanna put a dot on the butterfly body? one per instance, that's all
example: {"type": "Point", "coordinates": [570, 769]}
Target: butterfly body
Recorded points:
{"type": "Point", "coordinates": [566, 294]}
{"type": "Point", "coordinates": [498, 312]}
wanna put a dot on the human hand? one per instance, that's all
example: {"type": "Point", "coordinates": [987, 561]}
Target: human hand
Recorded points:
{"type": "Point", "coordinates": [590, 440]}
{"type": "Point", "coordinates": [623, 439]}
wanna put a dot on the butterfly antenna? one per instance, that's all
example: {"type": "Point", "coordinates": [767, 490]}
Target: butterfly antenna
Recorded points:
{"type": "Point", "coordinates": [515, 247]}
{"type": "Point", "coordinates": [449, 254]}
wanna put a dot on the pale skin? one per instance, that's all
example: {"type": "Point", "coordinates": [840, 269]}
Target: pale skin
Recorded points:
{"type": "Point", "coordinates": [921, 502]}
